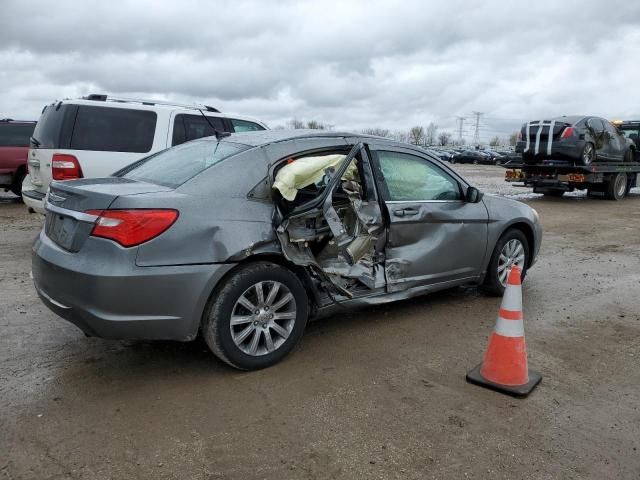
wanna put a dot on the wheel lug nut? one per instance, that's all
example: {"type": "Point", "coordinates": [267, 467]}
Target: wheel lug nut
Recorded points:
{"type": "Point", "coordinates": [266, 308]}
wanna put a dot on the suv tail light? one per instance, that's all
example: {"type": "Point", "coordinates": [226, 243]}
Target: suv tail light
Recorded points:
{"type": "Point", "coordinates": [132, 227]}
{"type": "Point", "coordinates": [65, 167]}
{"type": "Point", "coordinates": [567, 132]}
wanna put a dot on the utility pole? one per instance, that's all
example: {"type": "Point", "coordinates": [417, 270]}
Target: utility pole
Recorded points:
{"type": "Point", "coordinates": [476, 134]}
{"type": "Point", "coordinates": [460, 121]}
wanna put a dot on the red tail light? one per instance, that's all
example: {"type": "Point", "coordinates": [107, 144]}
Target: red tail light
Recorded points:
{"type": "Point", "coordinates": [568, 132]}
{"type": "Point", "coordinates": [65, 167]}
{"type": "Point", "coordinates": [132, 227]}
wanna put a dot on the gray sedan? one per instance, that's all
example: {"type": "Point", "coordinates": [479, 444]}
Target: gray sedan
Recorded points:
{"type": "Point", "coordinates": [246, 237]}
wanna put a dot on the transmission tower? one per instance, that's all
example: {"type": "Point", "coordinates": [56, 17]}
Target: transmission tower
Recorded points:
{"type": "Point", "coordinates": [476, 133]}
{"type": "Point", "coordinates": [460, 121]}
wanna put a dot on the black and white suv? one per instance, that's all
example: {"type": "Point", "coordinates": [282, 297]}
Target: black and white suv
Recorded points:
{"type": "Point", "coordinates": [97, 135]}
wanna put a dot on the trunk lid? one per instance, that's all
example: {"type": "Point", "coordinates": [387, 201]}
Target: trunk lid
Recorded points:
{"type": "Point", "coordinates": [66, 222]}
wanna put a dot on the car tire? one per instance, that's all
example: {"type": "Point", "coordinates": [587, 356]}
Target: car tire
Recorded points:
{"type": "Point", "coordinates": [16, 186]}
{"type": "Point", "coordinates": [554, 193]}
{"type": "Point", "coordinates": [588, 155]}
{"type": "Point", "coordinates": [616, 188]}
{"type": "Point", "coordinates": [231, 343]}
{"type": "Point", "coordinates": [631, 181]}
{"type": "Point", "coordinates": [492, 284]}
{"type": "Point", "coordinates": [475, 162]}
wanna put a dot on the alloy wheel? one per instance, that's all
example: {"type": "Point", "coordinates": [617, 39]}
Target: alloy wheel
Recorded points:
{"type": "Point", "coordinates": [262, 318]}
{"type": "Point", "coordinates": [512, 253]}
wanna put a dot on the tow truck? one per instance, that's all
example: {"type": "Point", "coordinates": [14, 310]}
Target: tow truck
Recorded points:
{"type": "Point", "coordinates": [611, 180]}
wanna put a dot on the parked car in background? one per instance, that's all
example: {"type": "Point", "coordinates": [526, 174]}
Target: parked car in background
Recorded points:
{"type": "Point", "coordinates": [579, 140]}
{"type": "Point", "coordinates": [96, 135]}
{"type": "Point", "coordinates": [244, 238]}
{"type": "Point", "coordinates": [14, 147]}
{"type": "Point", "coordinates": [473, 156]}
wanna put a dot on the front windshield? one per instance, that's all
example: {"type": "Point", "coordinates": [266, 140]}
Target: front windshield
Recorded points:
{"type": "Point", "coordinates": [174, 166]}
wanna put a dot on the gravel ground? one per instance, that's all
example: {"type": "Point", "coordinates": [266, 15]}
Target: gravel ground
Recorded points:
{"type": "Point", "coordinates": [375, 394]}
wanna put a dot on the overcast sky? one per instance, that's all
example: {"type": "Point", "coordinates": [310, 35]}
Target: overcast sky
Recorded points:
{"type": "Point", "coordinates": [349, 64]}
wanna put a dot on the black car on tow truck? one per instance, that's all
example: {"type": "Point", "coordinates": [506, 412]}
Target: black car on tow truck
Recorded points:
{"type": "Point", "coordinates": [552, 172]}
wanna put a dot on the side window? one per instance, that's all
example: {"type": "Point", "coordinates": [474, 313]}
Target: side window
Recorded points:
{"type": "Point", "coordinates": [244, 126]}
{"type": "Point", "coordinates": [411, 178]}
{"type": "Point", "coordinates": [192, 127]}
{"type": "Point", "coordinates": [106, 129]}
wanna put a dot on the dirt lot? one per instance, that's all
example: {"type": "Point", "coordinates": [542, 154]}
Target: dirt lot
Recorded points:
{"type": "Point", "coordinates": [375, 394]}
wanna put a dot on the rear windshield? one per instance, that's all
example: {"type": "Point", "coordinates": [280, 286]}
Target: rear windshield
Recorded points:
{"type": "Point", "coordinates": [176, 165]}
{"type": "Point", "coordinates": [16, 134]}
{"type": "Point", "coordinates": [113, 130]}
{"type": "Point", "coordinates": [49, 128]}
{"type": "Point", "coordinates": [98, 128]}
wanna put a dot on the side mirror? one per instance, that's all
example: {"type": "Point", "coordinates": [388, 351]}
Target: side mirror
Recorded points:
{"type": "Point", "coordinates": [473, 195]}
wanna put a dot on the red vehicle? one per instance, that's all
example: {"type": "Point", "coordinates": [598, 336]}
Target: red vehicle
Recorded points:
{"type": "Point", "coordinates": [14, 148]}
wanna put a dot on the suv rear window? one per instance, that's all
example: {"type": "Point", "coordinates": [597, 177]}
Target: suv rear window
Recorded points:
{"type": "Point", "coordinates": [48, 132]}
{"type": "Point", "coordinates": [174, 166]}
{"type": "Point", "coordinates": [113, 130]}
{"type": "Point", "coordinates": [16, 134]}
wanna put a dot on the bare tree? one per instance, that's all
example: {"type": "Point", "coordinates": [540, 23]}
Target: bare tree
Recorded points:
{"type": "Point", "coordinates": [513, 139]}
{"type": "Point", "coordinates": [416, 135]}
{"type": "Point", "coordinates": [495, 142]}
{"type": "Point", "coordinates": [431, 134]}
{"type": "Point", "coordinates": [444, 138]}
{"type": "Point", "coordinates": [400, 136]}
{"type": "Point", "coordinates": [295, 124]}
{"type": "Point", "coordinates": [378, 132]}
{"type": "Point", "coordinates": [315, 125]}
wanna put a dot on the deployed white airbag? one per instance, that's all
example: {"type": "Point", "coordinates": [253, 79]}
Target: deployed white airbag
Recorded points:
{"type": "Point", "coordinates": [307, 170]}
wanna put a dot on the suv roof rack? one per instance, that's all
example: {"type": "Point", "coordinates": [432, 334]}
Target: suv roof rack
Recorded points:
{"type": "Point", "coordinates": [109, 98]}
{"type": "Point", "coordinates": [7, 120]}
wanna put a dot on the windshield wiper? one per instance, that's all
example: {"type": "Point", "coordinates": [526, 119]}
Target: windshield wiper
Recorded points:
{"type": "Point", "coordinates": [35, 142]}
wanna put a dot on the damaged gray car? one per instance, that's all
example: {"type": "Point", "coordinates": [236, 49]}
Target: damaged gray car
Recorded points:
{"type": "Point", "coordinates": [246, 237]}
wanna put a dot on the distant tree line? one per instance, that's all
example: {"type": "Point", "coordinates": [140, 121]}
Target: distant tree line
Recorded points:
{"type": "Point", "coordinates": [418, 135]}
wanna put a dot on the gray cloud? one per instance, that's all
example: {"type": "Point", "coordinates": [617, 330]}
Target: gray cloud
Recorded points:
{"type": "Point", "coordinates": [350, 64]}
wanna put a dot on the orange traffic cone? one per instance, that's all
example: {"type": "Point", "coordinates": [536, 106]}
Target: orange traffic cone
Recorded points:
{"type": "Point", "coordinates": [505, 363]}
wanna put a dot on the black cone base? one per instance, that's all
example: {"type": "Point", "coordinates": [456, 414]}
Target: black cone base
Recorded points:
{"type": "Point", "coordinates": [518, 391]}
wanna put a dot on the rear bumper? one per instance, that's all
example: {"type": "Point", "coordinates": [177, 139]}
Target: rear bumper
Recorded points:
{"type": "Point", "coordinates": [32, 197]}
{"type": "Point", "coordinates": [564, 150]}
{"type": "Point", "coordinates": [120, 300]}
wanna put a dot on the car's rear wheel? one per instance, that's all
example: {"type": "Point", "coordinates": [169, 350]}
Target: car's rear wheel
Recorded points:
{"type": "Point", "coordinates": [511, 249]}
{"type": "Point", "coordinates": [554, 193]}
{"type": "Point", "coordinates": [256, 316]}
{"type": "Point", "coordinates": [16, 186]}
{"type": "Point", "coordinates": [588, 154]}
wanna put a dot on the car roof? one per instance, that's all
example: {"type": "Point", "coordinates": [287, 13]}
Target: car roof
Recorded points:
{"type": "Point", "coordinates": [265, 137]}
{"type": "Point", "coordinates": [153, 105]}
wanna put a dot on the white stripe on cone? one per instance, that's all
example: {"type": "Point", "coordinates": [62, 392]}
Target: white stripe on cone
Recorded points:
{"type": "Point", "coordinates": [509, 328]}
{"type": "Point", "coordinates": [512, 299]}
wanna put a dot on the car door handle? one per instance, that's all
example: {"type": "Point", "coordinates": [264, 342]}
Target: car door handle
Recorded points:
{"type": "Point", "coordinates": [405, 212]}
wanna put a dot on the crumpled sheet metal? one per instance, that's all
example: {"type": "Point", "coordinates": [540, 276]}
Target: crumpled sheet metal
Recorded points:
{"type": "Point", "coordinates": [307, 170]}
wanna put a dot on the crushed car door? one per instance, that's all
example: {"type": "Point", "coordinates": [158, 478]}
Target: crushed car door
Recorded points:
{"type": "Point", "coordinates": [340, 231]}
{"type": "Point", "coordinates": [435, 236]}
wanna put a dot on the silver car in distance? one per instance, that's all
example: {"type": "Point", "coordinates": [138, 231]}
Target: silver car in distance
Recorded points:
{"type": "Point", "coordinates": [246, 237]}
